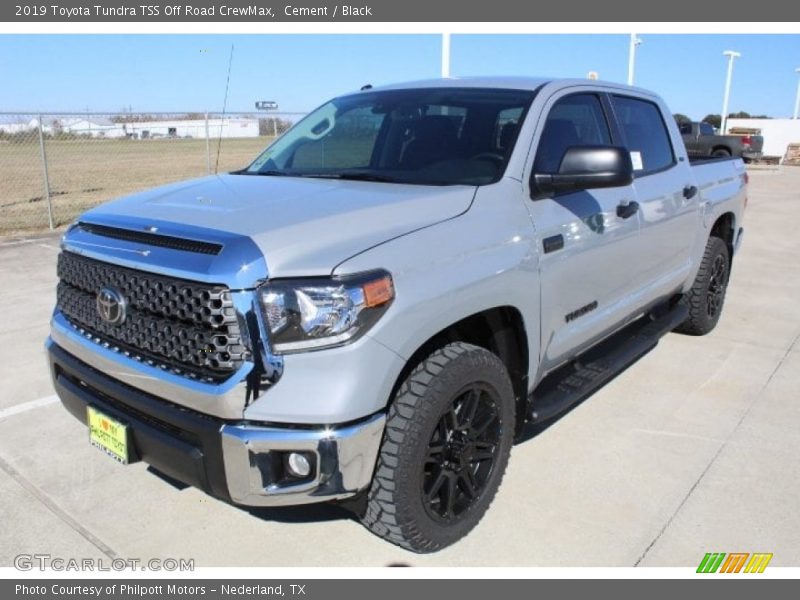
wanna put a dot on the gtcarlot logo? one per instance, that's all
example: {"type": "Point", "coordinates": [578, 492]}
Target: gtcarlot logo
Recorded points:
{"type": "Point", "coordinates": [43, 562]}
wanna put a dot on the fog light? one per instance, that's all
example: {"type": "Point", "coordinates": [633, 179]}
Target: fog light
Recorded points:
{"type": "Point", "coordinates": [298, 464]}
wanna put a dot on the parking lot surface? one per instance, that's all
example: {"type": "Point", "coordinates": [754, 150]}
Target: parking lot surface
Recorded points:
{"type": "Point", "coordinates": [692, 450]}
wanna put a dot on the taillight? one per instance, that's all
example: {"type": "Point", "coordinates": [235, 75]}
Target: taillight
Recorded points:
{"type": "Point", "coordinates": [747, 140]}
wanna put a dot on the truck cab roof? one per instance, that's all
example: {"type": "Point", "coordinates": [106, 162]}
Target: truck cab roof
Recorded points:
{"type": "Point", "coordinates": [505, 82]}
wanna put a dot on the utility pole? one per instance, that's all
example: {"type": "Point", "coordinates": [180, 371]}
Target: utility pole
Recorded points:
{"type": "Point", "coordinates": [635, 41]}
{"type": "Point", "coordinates": [797, 98]}
{"type": "Point", "coordinates": [732, 55]}
{"type": "Point", "coordinates": [445, 55]}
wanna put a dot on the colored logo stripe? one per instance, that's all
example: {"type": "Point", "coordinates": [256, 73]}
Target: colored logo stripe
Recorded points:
{"type": "Point", "coordinates": [758, 563]}
{"type": "Point", "coordinates": [711, 562]}
{"type": "Point", "coordinates": [734, 562]}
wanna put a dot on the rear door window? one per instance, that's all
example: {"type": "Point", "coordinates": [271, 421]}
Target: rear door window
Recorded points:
{"type": "Point", "coordinates": [646, 135]}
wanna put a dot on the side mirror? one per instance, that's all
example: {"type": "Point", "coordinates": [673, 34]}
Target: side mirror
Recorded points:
{"type": "Point", "coordinates": [585, 168]}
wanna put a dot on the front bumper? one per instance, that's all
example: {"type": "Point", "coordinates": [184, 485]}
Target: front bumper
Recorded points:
{"type": "Point", "coordinates": [237, 461]}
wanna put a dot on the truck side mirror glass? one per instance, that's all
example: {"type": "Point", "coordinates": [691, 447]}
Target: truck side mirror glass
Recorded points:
{"type": "Point", "coordinates": [585, 168]}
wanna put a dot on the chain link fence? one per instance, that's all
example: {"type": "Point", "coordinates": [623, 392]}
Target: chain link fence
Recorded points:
{"type": "Point", "coordinates": [54, 166]}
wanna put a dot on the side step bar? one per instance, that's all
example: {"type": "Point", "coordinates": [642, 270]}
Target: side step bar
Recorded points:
{"type": "Point", "coordinates": [577, 380]}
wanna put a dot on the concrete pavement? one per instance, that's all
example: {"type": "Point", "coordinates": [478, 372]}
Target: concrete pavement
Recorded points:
{"type": "Point", "coordinates": [692, 450]}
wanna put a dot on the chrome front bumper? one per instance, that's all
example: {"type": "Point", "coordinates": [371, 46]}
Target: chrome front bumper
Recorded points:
{"type": "Point", "coordinates": [343, 461]}
{"type": "Point", "coordinates": [239, 461]}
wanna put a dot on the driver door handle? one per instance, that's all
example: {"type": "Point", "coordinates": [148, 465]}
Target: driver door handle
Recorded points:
{"type": "Point", "coordinates": [689, 192]}
{"type": "Point", "coordinates": [626, 210]}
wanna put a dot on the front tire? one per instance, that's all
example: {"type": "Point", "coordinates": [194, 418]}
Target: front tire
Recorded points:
{"type": "Point", "coordinates": [707, 296]}
{"type": "Point", "coordinates": [448, 438]}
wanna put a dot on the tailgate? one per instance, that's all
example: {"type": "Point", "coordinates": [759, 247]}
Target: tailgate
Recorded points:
{"type": "Point", "coordinates": [756, 143]}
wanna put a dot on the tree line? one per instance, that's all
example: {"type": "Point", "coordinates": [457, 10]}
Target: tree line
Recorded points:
{"type": "Point", "coordinates": [715, 120]}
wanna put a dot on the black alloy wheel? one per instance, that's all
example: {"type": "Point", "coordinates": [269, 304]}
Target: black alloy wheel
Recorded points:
{"type": "Point", "coordinates": [706, 297]}
{"type": "Point", "coordinates": [461, 454]}
{"type": "Point", "coordinates": [717, 284]}
{"type": "Point", "coordinates": [449, 432]}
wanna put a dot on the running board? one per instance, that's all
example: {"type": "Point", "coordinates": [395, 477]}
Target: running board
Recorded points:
{"type": "Point", "coordinates": [577, 380]}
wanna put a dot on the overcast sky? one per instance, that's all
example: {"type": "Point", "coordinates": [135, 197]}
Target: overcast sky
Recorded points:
{"type": "Point", "coordinates": [188, 72]}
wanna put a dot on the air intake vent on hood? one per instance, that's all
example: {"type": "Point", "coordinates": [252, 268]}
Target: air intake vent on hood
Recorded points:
{"type": "Point", "coordinates": [152, 239]}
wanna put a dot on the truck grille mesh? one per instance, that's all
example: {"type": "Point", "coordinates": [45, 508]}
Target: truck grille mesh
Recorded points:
{"type": "Point", "coordinates": [185, 327]}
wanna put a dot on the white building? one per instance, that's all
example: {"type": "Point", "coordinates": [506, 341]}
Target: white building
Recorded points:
{"type": "Point", "coordinates": [234, 127]}
{"type": "Point", "coordinates": [778, 133]}
{"type": "Point", "coordinates": [90, 126]}
{"type": "Point", "coordinates": [101, 127]}
{"type": "Point", "coordinates": [15, 127]}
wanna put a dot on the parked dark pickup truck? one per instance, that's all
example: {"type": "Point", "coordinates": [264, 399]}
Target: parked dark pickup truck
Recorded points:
{"type": "Point", "coordinates": [701, 140]}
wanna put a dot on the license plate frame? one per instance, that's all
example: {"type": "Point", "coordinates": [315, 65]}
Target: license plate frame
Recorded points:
{"type": "Point", "coordinates": [108, 434]}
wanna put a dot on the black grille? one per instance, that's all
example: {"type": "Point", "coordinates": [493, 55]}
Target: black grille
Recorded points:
{"type": "Point", "coordinates": [186, 327]}
{"type": "Point", "coordinates": [152, 239]}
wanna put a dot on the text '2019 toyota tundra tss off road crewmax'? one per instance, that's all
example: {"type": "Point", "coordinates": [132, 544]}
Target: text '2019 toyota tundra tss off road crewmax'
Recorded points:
{"type": "Point", "coordinates": [373, 308]}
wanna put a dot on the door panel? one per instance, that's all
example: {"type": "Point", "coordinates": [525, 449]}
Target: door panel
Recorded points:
{"type": "Point", "coordinates": [585, 283]}
{"type": "Point", "coordinates": [585, 248]}
{"type": "Point", "coordinates": [669, 219]}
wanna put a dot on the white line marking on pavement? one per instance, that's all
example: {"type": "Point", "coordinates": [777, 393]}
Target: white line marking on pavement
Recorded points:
{"type": "Point", "coordinates": [56, 509]}
{"type": "Point", "coordinates": [679, 434]}
{"type": "Point", "coordinates": [26, 406]}
{"type": "Point", "coordinates": [18, 242]}
{"type": "Point", "coordinates": [49, 246]}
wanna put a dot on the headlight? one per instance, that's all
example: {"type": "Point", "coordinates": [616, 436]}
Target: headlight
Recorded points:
{"type": "Point", "coordinates": [307, 314]}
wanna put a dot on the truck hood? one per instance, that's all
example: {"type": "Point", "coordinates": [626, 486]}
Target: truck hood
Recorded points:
{"type": "Point", "coordinates": [302, 226]}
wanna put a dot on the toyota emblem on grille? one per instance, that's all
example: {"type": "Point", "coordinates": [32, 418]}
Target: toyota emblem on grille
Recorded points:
{"type": "Point", "coordinates": [111, 306]}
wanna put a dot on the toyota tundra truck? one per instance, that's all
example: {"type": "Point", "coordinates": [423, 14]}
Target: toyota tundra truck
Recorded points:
{"type": "Point", "coordinates": [374, 309]}
{"type": "Point", "coordinates": [701, 140]}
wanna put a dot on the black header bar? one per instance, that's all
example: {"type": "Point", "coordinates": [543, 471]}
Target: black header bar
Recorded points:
{"type": "Point", "coordinates": [439, 11]}
{"type": "Point", "coordinates": [739, 588]}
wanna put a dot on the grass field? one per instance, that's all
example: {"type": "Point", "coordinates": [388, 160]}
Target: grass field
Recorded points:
{"type": "Point", "coordinates": [85, 172]}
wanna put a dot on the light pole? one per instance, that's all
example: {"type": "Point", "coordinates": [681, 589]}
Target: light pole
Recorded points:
{"type": "Point", "coordinates": [732, 55]}
{"type": "Point", "coordinates": [445, 55]}
{"type": "Point", "coordinates": [635, 41]}
{"type": "Point", "coordinates": [797, 99]}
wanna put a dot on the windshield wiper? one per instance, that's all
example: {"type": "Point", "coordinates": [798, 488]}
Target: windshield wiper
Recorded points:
{"type": "Point", "coordinates": [345, 175]}
{"type": "Point", "coordinates": [266, 173]}
{"type": "Point", "coordinates": [369, 177]}
{"type": "Point", "coordinates": [354, 176]}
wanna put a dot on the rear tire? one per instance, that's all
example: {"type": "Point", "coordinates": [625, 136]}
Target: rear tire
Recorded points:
{"type": "Point", "coordinates": [707, 296]}
{"type": "Point", "coordinates": [721, 153]}
{"type": "Point", "coordinates": [448, 438]}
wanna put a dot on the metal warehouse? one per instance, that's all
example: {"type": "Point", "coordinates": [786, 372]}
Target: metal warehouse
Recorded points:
{"type": "Point", "coordinates": [101, 127]}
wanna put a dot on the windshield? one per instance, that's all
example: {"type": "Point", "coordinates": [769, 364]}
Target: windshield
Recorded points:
{"type": "Point", "coordinates": [440, 136]}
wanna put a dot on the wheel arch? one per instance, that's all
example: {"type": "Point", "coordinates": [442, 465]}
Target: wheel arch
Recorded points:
{"type": "Point", "coordinates": [500, 330]}
{"type": "Point", "coordinates": [725, 229]}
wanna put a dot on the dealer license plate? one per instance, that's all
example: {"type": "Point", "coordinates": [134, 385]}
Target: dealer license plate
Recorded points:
{"type": "Point", "coordinates": [108, 434]}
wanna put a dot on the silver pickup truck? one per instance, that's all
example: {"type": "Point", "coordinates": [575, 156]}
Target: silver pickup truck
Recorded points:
{"type": "Point", "coordinates": [375, 308]}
